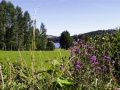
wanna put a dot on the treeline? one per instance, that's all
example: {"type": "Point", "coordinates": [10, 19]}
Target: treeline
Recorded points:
{"type": "Point", "coordinates": [89, 35]}
{"type": "Point", "coordinates": [86, 36]}
{"type": "Point", "coordinates": [16, 29]}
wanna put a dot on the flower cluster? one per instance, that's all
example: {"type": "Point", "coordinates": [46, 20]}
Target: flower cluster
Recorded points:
{"type": "Point", "coordinates": [94, 62]}
{"type": "Point", "coordinates": [78, 65]}
{"type": "Point", "coordinates": [106, 58]}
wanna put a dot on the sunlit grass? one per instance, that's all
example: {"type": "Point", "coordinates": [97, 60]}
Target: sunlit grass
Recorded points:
{"type": "Point", "coordinates": [43, 59]}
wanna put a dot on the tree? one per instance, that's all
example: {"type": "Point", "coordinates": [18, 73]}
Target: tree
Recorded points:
{"type": "Point", "coordinates": [20, 25]}
{"type": "Point", "coordinates": [37, 39]}
{"type": "Point", "coordinates": [3, 20]}
{"type": "Point", "coordinates": [41, 45]}
{"type": "Point", "coordinates": [11, 27]}
{"type": "Point", "coordinates": [16, 31]}
{"type": "Point", "coordinates": [50, 45]}
{"type": "Point", "coordinates": [65, 40]}
{"type": "Point", "coordinates": [26, 35]}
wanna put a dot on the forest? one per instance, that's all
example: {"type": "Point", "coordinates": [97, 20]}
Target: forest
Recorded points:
{"type": "Point", "coordinates": [16, 29]}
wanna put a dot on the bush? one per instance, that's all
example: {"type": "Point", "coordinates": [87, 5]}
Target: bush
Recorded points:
{"type": "Point", "coordinates": [50, 45]}
{"type": "Point", "coordinates": [116, 54]}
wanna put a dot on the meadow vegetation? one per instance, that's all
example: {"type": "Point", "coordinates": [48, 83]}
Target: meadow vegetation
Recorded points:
{"type": "Point", "coordinates": [42, 58]}
{"type": "Point", "coordinates": [91, 65]}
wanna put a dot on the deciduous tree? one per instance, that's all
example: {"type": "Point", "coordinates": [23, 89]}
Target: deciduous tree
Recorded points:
{"type": "Point", "coordinates": [65, 40]}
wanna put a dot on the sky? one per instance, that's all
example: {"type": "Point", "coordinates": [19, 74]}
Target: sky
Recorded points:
{"type": "Point", "coordinates": [75, 16]}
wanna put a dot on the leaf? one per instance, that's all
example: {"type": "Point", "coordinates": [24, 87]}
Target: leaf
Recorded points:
{"type": "Point", "coordinates": [55, 62]}
{"type": "Point", "coordinates": [63, 82]}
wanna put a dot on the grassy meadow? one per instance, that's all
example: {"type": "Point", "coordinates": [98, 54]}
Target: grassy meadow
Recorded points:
{"type": "Point", "coordinates": [91, 65]}
{"type": "Point", "coordinates": [42, 58]}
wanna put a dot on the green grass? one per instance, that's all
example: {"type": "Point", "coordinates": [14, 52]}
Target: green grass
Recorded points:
{"type": "Point", "coordinates": [43, 59]}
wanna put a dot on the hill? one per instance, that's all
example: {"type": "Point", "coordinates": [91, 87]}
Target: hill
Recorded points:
{"type": "Point", "coordinates": [84, 35]}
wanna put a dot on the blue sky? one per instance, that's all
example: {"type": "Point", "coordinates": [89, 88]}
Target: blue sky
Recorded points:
{"type": "Point", "coordinates": [76, 16]}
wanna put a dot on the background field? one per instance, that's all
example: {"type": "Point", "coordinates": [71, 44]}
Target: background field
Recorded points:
{"type": "Point", "coordinates": [43, 59]}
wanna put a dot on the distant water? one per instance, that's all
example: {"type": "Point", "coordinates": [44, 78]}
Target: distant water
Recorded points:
{"type": "Point", "coordinates": [57, 44]}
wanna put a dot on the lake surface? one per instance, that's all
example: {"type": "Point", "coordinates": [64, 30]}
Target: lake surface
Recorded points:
{"type": "Point", "coordinates": [57, 44]}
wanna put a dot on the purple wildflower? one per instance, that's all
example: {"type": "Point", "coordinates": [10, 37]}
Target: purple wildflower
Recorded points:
{"type": "Point", "coordinates": [89, 47]}
{"type": "Point", "coordinates": [78, 66]}
{"type": "Point", "coordinates": [90, 55]}
{"type": "Point", "coordinates": [61, 66]}
{"type": "Point", "coordinates": [74, 43]}
{"type": "Point", "coordinates": [77, 51]}
{"type": "Point", "coordinates": [71, 48]}
{"type": "Point", "coordinates": [99, 68]}
{"type": "Point", "coordinates": [108, 58]}
{"type": "Point", "coordinates": [80, 41]}
{"type": "Point", "coordinates": [95, 63]}
{"type": "Point", "coordinates": [93, 58]}
{"type": "Point", "coordinates": [78, 63]}
{"type": "Point", "coordinates": [80, 46]}
{"type": "Point", "coordinates": [104, 56]}
{"type": "Point", "coordinates": [71, 54]}
{"type": "Point", "coordinates": [105, 67]}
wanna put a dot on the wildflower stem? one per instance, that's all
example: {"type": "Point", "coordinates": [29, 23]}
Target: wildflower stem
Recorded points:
{"type": "Point", "coordinates": [1, 77]}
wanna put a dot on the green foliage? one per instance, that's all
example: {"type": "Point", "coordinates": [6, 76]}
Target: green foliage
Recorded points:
{"type": "Point", "coordinates": [16, 31]}
{"type": "Point", "coordinates": [41, 57]}
{"type": "Point", "coordinates": [19, 74]}
{"type": "Point", "coordinates": [15, 27]}
{"type": "Point", "coordinates": [42, 41]}
{"type": "Point", "coordinates": [115, 40]}
{"type": "Point", "coordinates": [88, 67]}
{"type": "Point", "coordinates": [93, 63]}
{"type": "Point", "coordinates": [50, 45]}
{"type": "Point", "coordinates": [3, 22]}
{"type": "Point", "coordinates": [65, 40]}
{"type": "Point", "coordinates": [87, 36]}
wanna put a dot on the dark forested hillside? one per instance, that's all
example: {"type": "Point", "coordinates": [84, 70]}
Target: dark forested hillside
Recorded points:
{"type": "Point", "coordinates": [86, 36]}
